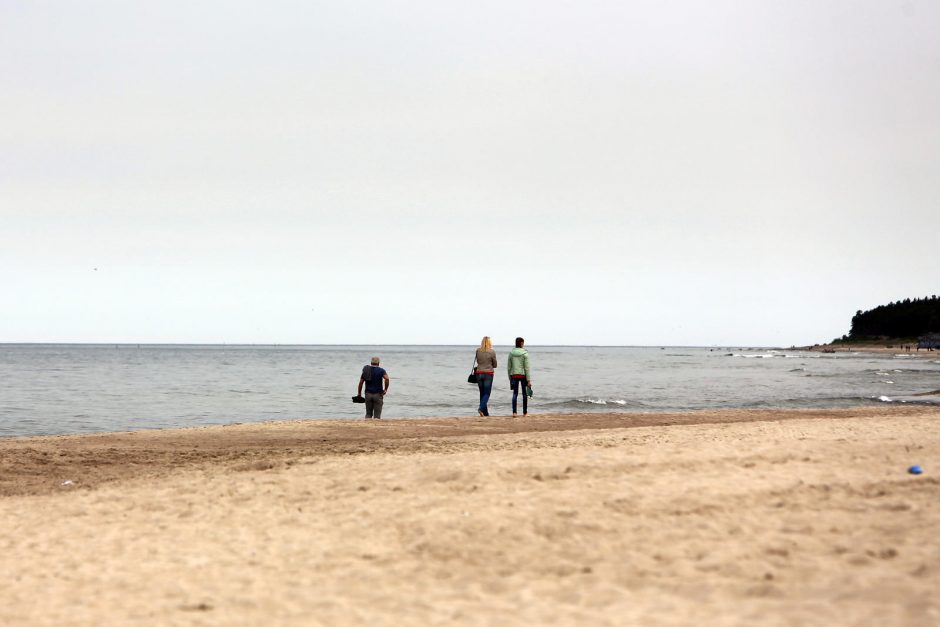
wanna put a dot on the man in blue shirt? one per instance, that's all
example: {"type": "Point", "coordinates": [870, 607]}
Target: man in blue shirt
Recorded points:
{"type": "Point", "coordinates": [376, 382]}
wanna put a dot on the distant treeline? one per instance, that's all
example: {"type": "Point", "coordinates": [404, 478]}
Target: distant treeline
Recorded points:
{"type": "Point", "coordinates": [908, 318]}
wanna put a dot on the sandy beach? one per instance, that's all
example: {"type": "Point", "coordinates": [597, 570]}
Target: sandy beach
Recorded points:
{"type": "Point", "coordinates": [723, 518]}
{"type": "Point", "coordinates": [877, 349]}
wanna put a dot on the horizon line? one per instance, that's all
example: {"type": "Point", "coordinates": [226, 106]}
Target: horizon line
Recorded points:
{"type": "Point", "coordinates": [390, 344]}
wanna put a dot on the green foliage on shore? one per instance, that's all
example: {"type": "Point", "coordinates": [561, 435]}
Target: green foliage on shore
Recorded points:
{"type": "Point", "coordinates": [905, 320]}
{"type": "Point", "coordinates": [880, 340]}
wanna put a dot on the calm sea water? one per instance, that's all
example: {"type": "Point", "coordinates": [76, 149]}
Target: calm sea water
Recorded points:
{"type": "Point", "coordinates": [54, 389]}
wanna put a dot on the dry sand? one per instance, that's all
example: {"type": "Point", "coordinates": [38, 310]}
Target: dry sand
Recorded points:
{"type": "Point", "coordinates": [724, 518]}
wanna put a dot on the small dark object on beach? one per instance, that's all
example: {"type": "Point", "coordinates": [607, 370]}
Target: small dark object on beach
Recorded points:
{"type": "Point", "coordinates": [915, 470]}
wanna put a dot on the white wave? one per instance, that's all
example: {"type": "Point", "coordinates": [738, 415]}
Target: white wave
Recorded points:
{"type": "Point", "coordinates": [889, 381]}
{"type": "Point", "coordinates": [885, 399]}
{"type": "Point", "coordinates": [601, 401]}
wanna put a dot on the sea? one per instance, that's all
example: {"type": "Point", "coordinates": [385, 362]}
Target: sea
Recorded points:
{"type": "Point", "coordinates": [50, 389]}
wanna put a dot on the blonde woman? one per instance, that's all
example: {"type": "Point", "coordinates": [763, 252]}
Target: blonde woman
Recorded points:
{"type": "Point", "coordinates": [486, 365]}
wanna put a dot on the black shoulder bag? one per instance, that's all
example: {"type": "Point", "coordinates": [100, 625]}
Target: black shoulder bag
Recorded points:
{"type": "Point", "coordinates": [473, 371]}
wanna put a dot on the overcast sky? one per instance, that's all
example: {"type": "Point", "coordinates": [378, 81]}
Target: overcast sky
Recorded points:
{"type": "Point", "coordinates": [640, 173]}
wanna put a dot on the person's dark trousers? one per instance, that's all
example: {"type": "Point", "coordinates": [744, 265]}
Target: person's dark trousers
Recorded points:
{"type": "Point", "coordinates": [516, 384]}
{"type": "Point", "coordinates": [485, 383]}
{"type": "Point", "coordinates": [374, 402]}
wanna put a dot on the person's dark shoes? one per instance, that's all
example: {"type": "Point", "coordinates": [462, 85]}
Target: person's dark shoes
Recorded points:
{"type": "Point", "coordinates": [358, 399]}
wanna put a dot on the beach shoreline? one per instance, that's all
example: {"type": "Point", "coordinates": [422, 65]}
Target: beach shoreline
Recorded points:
{"type": "Point", "coordinates": [718, 517]}
{"type": "Point", "coordinates": [39, 464]}
{"type": "Point", "coordinates": [875, 349]}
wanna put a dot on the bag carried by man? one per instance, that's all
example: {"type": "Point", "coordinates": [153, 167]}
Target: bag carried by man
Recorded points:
{"type": "Point", "coordinates": [366, 376]}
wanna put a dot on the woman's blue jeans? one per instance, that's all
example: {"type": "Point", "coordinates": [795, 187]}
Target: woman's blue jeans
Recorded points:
{"type": "Point", "coordinates": [516, 383]}
{"type": "Point", "coordinates": [485, 383]}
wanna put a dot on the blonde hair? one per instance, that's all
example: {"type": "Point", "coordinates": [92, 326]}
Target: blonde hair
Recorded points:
{"type": "Point", "coordinates": [486, 344]}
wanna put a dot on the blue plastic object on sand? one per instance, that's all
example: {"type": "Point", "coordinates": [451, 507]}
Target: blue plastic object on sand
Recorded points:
{"type": "Point", "coordinates": [915, 470]}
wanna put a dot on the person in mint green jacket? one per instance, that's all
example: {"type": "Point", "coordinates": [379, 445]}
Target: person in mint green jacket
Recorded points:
{"type": "Point", "coordinates": [520, 375]}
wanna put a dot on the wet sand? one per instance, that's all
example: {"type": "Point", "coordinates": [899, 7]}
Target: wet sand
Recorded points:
{"type": "Point", "coordinates": [727, 518]}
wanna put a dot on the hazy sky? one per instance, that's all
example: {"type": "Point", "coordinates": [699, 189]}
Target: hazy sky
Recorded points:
{"type": "Point", "coordinates": [720, 172]}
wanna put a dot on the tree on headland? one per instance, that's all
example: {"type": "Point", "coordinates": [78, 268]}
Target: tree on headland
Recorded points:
{"type": "Point", "coordinates": [908, 318]}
